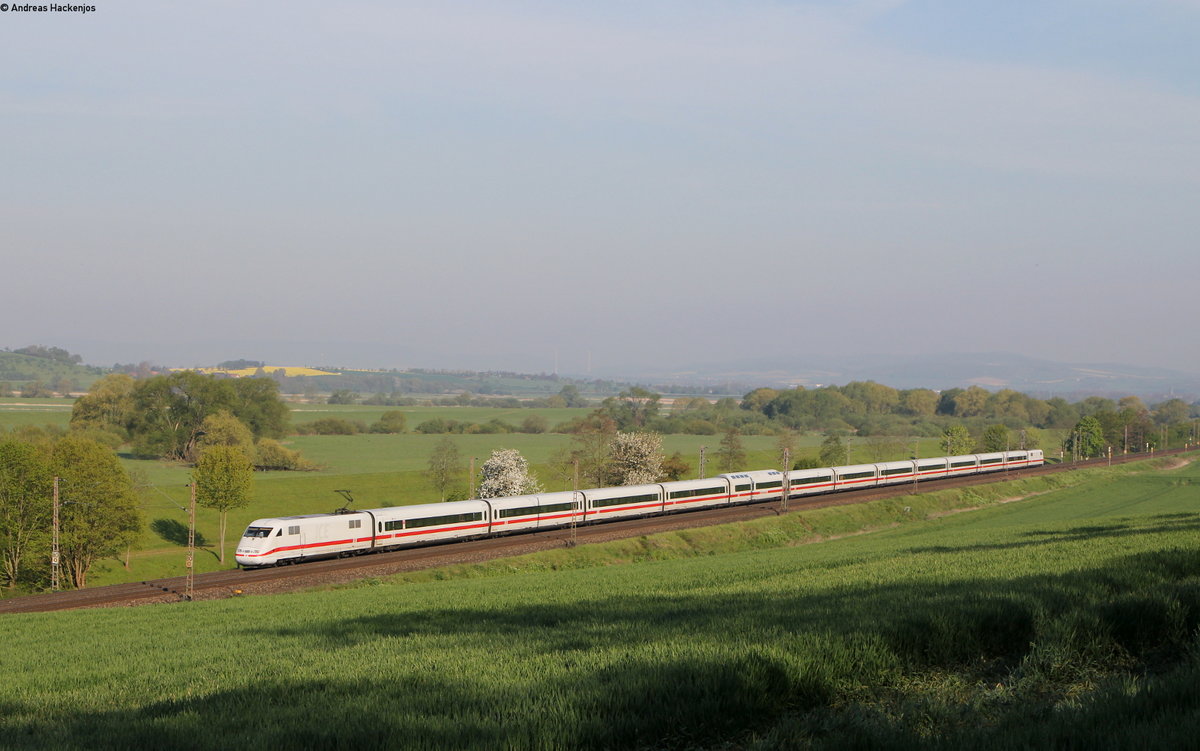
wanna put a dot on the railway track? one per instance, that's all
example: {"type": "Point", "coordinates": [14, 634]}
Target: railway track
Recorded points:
{"type": "Point", "coordinates": [220, 584]}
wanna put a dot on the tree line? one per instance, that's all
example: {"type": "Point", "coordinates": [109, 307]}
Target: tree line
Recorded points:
{"type": "Point", "coordinates": [99, 502]}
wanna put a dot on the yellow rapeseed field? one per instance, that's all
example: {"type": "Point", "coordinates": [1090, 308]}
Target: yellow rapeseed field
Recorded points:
{"type": "Point", "coordinates": [288, 370]}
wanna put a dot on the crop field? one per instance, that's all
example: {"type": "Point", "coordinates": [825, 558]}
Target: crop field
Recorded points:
{"type": "Point", "coordinates": [15, 413]}
{"type": "Point", "coordinates": [1066, 620]}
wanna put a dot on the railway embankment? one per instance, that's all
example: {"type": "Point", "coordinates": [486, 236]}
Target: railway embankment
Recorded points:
{"type": "Point", "coordinates": [797, 526]}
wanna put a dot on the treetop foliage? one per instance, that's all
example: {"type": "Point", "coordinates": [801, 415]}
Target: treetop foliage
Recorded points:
{"type": "Point", "coordinates": [164, 415]}
{"type": "Point", "coordinates": [506, 473]}
{"type": "Point", "coordinates": [635, 458]}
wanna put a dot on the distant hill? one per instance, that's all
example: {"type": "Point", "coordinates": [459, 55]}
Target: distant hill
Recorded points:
{"type": "Point", "coordinates": [993, 370]}
{"type": "Point", "coordinates": [56, 375]}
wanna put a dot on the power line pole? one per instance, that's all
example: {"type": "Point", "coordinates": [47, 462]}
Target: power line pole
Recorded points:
{"type": "Point", "coordinates": [54, 552]}
{"type": "Point", "coordinates": [574, 505]}
{"type": "Point", "coordinates": [787, 484]}
{"type": "Point", "coordinates": [472, 479]}
{"type": "Point", "coordinates": [189, 589]}
{"type": "Point", "coordinates": [703, 461]}
{"type": "Point", "coordinates": [916, 466]}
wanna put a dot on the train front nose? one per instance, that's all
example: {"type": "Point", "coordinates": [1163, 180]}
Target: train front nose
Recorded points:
{"type": "Point", "coordinates": [252, 548]}
{"type": "Point", "coordinates": [248, 553]}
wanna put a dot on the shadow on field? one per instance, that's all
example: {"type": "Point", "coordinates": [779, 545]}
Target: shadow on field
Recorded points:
{"type": "Point", "coordinates": [1171, 523]}
{"type": "Point", "coordinates": [682, 670]}
{"type": "Point", "coordinates": [630, 704]}
{"type": "Point", "coordinates": [176, 532]}
{"type": "Point", "coordinates": [1144, 605]}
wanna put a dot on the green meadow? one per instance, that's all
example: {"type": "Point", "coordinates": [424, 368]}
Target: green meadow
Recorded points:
{"type": "Point", "coordinates": [1068, 619]}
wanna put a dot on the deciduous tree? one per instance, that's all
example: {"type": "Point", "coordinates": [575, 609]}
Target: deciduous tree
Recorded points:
{"type": "Point", "coordinates": [636, 458]}
{"type": "Point", "coordinates": [25, 507]}
{"type": "Point", "coordinates": [506, 473]}
{"type": "Point", "coordinates": [956, 441]}
{"type": "Point", "coordinates": [675, 467]}
{"type": "Point", "coordinates": [445, 466]}
{"type": "Point", "coordinates": [1086, 439]}
{"type": "Point", "coordinates": [833, 451]}
{"type": "Point", "coordinates": [224, 477]}
{"type": "Point", "coordinates": [731, 455]}
{"type": "Point", "coordinates": [108, 405]}
{"type": "Point", "coordinates": [169, 411]}
{"type": "Point", "coordinates": [99, 515]}
{"type": "Point", "coordinates": [996, 438]}
{"type": "Point", "coordinates": [392, 421]}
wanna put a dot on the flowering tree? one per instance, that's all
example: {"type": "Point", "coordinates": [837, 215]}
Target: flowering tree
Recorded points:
{"type": "Point", "coordinates": [506, 473]}
{"type": "Point", "coordinates": [636, 458]}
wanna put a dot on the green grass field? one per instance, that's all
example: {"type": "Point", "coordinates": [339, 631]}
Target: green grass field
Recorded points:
{"type": "Point", "coordinates": [1067, 620]}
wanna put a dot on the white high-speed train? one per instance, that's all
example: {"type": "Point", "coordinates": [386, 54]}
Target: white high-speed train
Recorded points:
{"type": "Point", "coordinates": [289, 539]}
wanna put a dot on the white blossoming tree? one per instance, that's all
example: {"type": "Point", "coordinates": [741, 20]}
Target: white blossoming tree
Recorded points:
{"type": "Point", "coordinates": [506, 473]}
{"type": "Point", "coordinates": [636, 458]}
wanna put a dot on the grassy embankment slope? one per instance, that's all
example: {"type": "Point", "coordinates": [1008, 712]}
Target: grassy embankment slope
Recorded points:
{"type": "Point", "coordinates": [1068, 620]}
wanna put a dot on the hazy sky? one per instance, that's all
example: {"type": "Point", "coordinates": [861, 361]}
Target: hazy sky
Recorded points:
{"type": "Point", "coordinates": [469, 184]}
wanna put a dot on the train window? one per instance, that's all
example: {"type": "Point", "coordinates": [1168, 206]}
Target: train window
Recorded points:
{"type": "Point", "coordinates": [693, 493]}
{"type": "Point", "coordinates": [931, 467]}
{"type": "Point", "coordinates": [435, 521]}
{"type": "Point", "coordinates": [997, 460]}
{"type": "Point", "coordinates": [857, 475]}
{"type": "Point", "coordinates": [505, 513]}
{"type": "Point", "coordinates": [396, 524]}
{"type": "Point", "coordinates": [555, 507]}
{"type": "Point", "coordinates": [968, 463]}
{"type": "Point", "coordinates": [258, 532]}
{"type": "Point", "coordinates": [279, 533]}
{"type": "Point", "coordinates": [811, 480]}
{"type": "Point", "coordinates": [627, 499]}
{"type": "Point", "coordinates": [769, 485]}
{"type": "Point", "coordinates": [744, 488]}
{"type": "Point", "coordinates": [897, 471]}
{"type": "Point", "coordinates": [294, 530]}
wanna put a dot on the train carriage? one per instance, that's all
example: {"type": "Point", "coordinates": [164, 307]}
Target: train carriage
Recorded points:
{"type": "Point", "coordinates": [631, 500]}
{"type": "Point", "coordinates": [399, 526]}
{"type": "Point", "coordinates": [855, 476]}
{"type": "Point", "coordinates": [933, 468]}
{"type": "Point", "coordinates": [992, 462]}
{"type": "Point", "coordinates": [755, 487]}
{"type": "Point", "coordinates": [691, 494]}
{"type": "Point", "coordinates": [803, 482]}
{"type": "Point", "coordinates": [541, 511]}
{"type": "Point", "coordinates": [1023, 458]}
{"type": "Point", "coordinates": [560, 509]}
{"type": "Point", "coordinates": [514, 514]}
{"type": "Point", "coordinates": [894, 473]}
{"type": "Point", "coordinates": [269, 541]}
{"type": "Point", "coordinates": [967, 464]}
